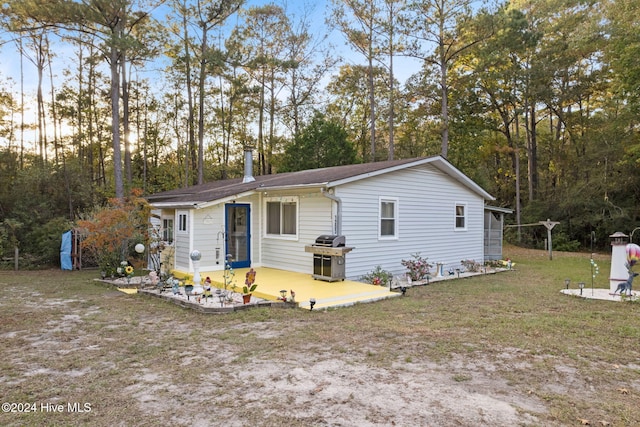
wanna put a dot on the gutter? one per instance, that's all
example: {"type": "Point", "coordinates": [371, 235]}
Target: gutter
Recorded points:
{"type": "Point", "coordinates": [329, 195]}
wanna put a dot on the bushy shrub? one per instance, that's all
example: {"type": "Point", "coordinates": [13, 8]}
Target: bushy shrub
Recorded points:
{"type": "Point", "coordinates": [418, 267]}
{"type": "Point", "coordinates": [378, 277]}
{"type": "Point", "coordinates": [111, 232]}
{"type": "Point", "coordinates": [43, 243]}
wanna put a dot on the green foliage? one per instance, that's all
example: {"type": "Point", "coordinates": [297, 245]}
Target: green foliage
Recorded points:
{"type": "Point", "coordinates": [111, 232]}
{"type": "Point", "coordinates": [43, 243]}
{"type": "Point", "coordinates": [322, 143]}
{"type": "Point", "coordinates": [378, 276]}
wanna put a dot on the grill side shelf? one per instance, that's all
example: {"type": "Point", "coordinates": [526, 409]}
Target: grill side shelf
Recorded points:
{"type": "Point", "coordinates": [327, 250]}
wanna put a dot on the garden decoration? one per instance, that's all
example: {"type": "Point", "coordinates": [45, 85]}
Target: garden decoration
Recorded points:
{"type": "Point", "coordinates": [632, 252]}
{"type": "Point", "coordinates": [195, 259]}
{"type": "Point", "coordinates": [153, 278]}
{"type": "Point", "coordinates": [249, 285]}
{"type": "Point", "coordinates": [619, 272]}
{"type": "Point", "coordinates": [624, 288]}
{"type": "Point", "coordinates": [633, 255]}
{"type": "Point", "coordinates": [188, 291]}
{"type": "Point", "coordinates": [207, 288]}
{"type": "Point", "coordinates": [229, 276]}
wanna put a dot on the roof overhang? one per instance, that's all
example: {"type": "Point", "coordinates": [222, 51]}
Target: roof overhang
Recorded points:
{"type": "Point", "coordinates": [498, 209]}
{"type": "Point", "coordinates": [292, 187]}
{"type": "Point", "coordinates": [173, 205]}
{"type": "Point", "coordinates": [226, 199]}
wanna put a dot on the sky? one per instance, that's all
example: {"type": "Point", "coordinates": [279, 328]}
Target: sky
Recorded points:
{"type": "Point", "coordinates": [10, 60]}
{"type": "Point", "coordinates": [10, 65]}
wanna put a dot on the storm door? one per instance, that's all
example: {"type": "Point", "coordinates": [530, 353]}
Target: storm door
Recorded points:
{"type": "Point", "coordinates": [238, 234]}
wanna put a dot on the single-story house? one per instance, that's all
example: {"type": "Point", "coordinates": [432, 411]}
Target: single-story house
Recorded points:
{"type": "Point", "coordinates": [387, 211]}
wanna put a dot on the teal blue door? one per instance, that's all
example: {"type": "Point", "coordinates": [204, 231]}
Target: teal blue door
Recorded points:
{"type": "Point", "coordinates": [238, 234]}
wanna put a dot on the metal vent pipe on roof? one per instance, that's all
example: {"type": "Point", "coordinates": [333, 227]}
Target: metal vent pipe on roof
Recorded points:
{"type": "Point", "coordinates": [248, 164]}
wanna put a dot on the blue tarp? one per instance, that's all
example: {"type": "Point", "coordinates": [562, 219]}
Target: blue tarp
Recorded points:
{"type": "Point", "coordinates": [65, 251]}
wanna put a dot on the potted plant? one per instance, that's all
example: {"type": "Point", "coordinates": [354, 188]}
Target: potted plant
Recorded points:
{"type": "Point", "coordinates": [250, 285]}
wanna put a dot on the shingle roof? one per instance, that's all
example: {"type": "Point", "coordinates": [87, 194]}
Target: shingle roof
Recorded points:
{"type": "Point", "coordinates": [217, 190]}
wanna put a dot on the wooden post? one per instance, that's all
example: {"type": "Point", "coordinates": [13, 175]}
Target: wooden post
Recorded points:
{"type": "Point", "coordinates": [549, 226]}
{"type": "Point", "coordinates": [16, 254]}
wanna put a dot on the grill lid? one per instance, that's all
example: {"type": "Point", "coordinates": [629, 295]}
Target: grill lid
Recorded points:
{"type": "Point", "coordinates": [330, 240]}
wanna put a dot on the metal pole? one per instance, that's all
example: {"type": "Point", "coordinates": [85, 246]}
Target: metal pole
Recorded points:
{"type": "Point", "coordinates": [593, 238]}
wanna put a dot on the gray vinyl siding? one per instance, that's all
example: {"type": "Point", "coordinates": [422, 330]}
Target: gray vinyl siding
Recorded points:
{"type": "Point", "coordinates": [314, 218]}
{"type": "Point", "coordinates": [426, 201]}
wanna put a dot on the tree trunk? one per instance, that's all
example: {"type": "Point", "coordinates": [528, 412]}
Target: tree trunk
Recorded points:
{"type": "Point", "coordinates": [191, 115]}
{"type": "Point", "coordinates": [391, 102]}
{"type": "Point", "coordinates": [444, 103]}
{"type": "Point", "coordinates": [125, 121]}
{"type": "Point", "coordinates": [533, 155]}
{"type": "Point", "coordinates": [372, 106]}
{"type": "Point", "coordinates": [115, 124]}
{"type": "Point", "coordinates": [201, 85]}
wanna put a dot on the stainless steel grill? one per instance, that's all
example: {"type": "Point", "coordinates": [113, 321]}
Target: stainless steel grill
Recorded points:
{"type": "Point", "coordinates": [329, 257]}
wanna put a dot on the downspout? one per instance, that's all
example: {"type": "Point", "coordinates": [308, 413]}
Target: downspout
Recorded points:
{"type": "Point", "coordinates": [329, 195]}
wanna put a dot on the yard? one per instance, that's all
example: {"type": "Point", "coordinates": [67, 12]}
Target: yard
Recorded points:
{"type": "Point", "coordinates": [501, 350]}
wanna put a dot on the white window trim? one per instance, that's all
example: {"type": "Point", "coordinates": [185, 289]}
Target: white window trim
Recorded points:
{"type": "Point", "coordinates": [455, 216]}
{"type": "Point", "coordinates": [178, 227]}
{"type": "Point", "coordinates": [173, 230]}
{"type": "Point", "coordinates": [396, 217]}
{"type": "Point", "coordinates": [284, 199]}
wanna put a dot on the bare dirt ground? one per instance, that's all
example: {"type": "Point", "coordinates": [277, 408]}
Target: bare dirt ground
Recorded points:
{"type": "Point", "coordinates": [200, 384]}
{"type": "Point", "coordinates": [134, 360]}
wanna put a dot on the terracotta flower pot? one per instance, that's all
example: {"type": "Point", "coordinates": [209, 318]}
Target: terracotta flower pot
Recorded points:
{"type": "Point", "coordinates": [246, 298]}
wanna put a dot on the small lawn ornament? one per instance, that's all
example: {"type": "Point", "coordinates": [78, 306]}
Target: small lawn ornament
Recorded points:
{"type": "Point", "coordinates": [249, 285]}
{"type": "Point", "coordinates": [153, 278]}
{"type": "Point", "coordinates": [633, 255]}
{"type": "Point", "coordinates": [624, 288]}
{"type": "Point", "coordinates": [207, 288]}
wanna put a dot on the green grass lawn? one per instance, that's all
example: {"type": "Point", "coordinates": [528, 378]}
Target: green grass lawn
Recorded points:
{"type": "Point", "coordinates": [141, 361]}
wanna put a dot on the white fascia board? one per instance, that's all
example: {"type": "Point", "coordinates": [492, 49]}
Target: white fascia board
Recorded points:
{"type": "Point", "coordinates": [291, 187]}
{"type": "Point", "coordinates": [498, 209]}
{"type": "Point", "coordinates": [172, 205]}
{"type": "Point", "coordinates": [224, 199]}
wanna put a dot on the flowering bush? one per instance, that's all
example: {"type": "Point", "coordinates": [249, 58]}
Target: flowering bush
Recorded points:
{"type": "Point", "coordinates": [378, 277]}
{"type": "Point", "coordinates": [418, 267]}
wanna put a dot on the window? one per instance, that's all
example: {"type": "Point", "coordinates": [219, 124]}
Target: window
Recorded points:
{"type": "Point", "coordinates": [167, 230]}
{"type": "Point", "coordinates": [388, 228]}
{"type": "Point", "coordinates": [182, 222]}
{"type": "Point", "coordinates": [461, 216]}
{"type": "Point", "coordinates": [282, 217]}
